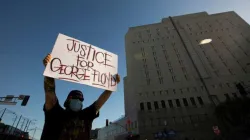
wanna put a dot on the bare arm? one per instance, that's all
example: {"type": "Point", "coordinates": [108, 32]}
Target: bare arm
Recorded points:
{"type": "Point", "coordinates": [105, 95]}
{"type": "Point", "coordinates": [102, 99]}
{"type": "Point", "coordinates": [49, 87]}
{"type": "Point", "coordinates": [50, 95]}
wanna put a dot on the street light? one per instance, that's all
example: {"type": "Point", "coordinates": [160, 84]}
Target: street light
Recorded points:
{"type": "Point", "coordinates": [205, 41]}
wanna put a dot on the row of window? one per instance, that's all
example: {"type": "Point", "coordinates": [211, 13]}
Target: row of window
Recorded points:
{"type": "Point", "coordinates": [174, 91]}
{"type": "Point", "coordinates": [191, 119]}
{"type": "Point", "coordinates": [244, 69]}
{"type": "Point", "coordinates": [153, 39]}
{"type": "Point", "coordinates": [171, 103]}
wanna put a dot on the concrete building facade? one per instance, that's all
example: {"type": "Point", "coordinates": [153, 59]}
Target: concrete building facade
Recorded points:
{"type": "Point", "coordinates": [174, 83]}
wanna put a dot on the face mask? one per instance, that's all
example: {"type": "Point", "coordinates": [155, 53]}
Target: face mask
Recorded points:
{"type": "Point", "coordinates": [75, 105]}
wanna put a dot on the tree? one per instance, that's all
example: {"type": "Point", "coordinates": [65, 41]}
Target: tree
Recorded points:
{"type": "Point", "coordinates": [234, 115]}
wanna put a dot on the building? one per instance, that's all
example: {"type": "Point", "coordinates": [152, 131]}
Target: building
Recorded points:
{"type": "Point", "coordinates": [12, 132]}
{"type": "Point", "coordinates": [94, 134]}
{"type": "Point", "coordinates": [113, 130]}
{"type": "Point", "coordinates": [173, 82]}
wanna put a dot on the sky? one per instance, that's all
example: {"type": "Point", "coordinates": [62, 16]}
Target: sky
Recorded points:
{"type": "Point", "coordinates": [28, 30]}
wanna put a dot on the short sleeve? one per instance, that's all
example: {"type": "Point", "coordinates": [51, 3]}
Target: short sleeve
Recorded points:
{"type": "Point", "coordinates": [57, 109]}
{"type": "Point", "coordinates": [91, 111]}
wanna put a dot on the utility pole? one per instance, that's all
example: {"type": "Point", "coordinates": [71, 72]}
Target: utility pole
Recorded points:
{"type": "Point", "coordinates": [13, 124]}
{"type": "Point", "coordinates": [34, 133]}
{"type": "Point", "coordinates": [17, 123]}
{"type": "Point", "coordinates": [28, 122]}
{"type": "Point", "coordinates": [22, 124]}
{"type": "Point", "coordinates": [2, 115]}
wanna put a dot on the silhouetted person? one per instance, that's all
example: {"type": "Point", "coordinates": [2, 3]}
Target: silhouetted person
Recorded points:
{"type": "Point", "coordinates": [72, 123]}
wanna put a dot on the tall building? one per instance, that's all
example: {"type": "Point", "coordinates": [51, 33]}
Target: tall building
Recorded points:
{"type": "Point", "coordinates": [174, 81]}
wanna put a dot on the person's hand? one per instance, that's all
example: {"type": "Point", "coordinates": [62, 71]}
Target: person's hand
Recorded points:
{"type": "Point", "coordinates": [117, 78]}
{"type": "Point", "coordinates": [47, 59]}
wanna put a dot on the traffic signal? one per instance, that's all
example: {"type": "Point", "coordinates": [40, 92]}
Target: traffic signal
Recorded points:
{"type": "Point", "coordinates": [25, 100]}
{"type": "Point", "coordinates": [241, 89]}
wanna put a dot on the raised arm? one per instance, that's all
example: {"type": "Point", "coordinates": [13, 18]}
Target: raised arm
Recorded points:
{"type": "Point", "coordinates": [49, 88]}
{"type": "Point", "coordinates": [105, 95]}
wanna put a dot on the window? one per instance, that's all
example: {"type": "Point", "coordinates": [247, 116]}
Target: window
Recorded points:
{"type": "Point", "coordinates": [178, 103]}
{"type": "Point", "coordinates": [160, 92]}
{"type": "Point", "coordinates": [185, 102]}
{"type": "Point", "coordinates": [192, 101]}
{"type": "Point", "coordinates": [166, 91]}
{"type": "Point", "coordinates": [174, 91]}
{"type": "Point", "coordinates": [148, 81]}
{"type": "Point", "coordinates": [144, 60]}
{"type": "Point", "coordinates": [186, 77]}
{"type": "Point", "coordinates": [147, 75]}
{"type": "Point", "coordinates": [227, 96]}
{"type": "Point", "coordinates": [230, 71]}
{"type": "Point", "coordinates": [169, 64]}
{"type": "Point", "coordinates": [174, 120]}
{"type": "Point", "coordinates": [195, 89]}
{"type": "Point", "coordinates": [225, 64]}
{"type": "Point", "coordinates": [181, 90]}
{"type": "Point", "coordinates": [159, 73]}
{"type": "Point", "coordinates": [216, 73]}
{"type": "Point", "coordinates": [200, 100]}
{"type": "Point", "coordinates": [163, 104]}
{"type": "Point", "coordinates": [174, 78]}
{"type": "Point", "coordinates": [178, 55]}
{"type": "Point", "coordinates": [181, 62]}
{"type": "Point", "coordinates": [154, 53]}
{"type": "Point", "coordinates": [156, 105]}
{"type": "Point", "coordinates": [171, 71]}
{"type": "Point", "coordinates": [215, 99]}
{"type": "Point", "coordinates": [157, 65]}
{"type": "Point", "coordinates": [149, 105]}
{"type": "Point", "coordinates": [184, 70]}
{"type": "Point", "coordinates": [235, 95]}
{"type": "Point", "coordinates": [155, 58]}
{"type": "Point", "coordinates": [161, 80]}
{"type": "Point", "coordinates": [141, 106]}
{"type": "Point", "coordinates": [170, 103]}
{"type": "Point", "coordinates": [228, 85]}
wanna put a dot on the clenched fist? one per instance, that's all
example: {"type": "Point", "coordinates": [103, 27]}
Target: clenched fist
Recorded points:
{"type": "Point", "coordinates": [46, 60]}
{"type": "Point", "coordinates": [117, 78]}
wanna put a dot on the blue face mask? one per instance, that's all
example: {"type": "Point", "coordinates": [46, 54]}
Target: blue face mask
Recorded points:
{"type": "Point", "coordinates": [75, 105]}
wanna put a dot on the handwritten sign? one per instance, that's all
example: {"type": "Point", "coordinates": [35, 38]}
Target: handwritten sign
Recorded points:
{"type": "Point", "coordinates": [80, 62]}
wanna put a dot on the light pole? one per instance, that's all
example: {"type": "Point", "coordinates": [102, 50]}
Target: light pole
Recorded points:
{"type": "Point", "coordinates": [34, 133]}
{"type": "Point", "coordinates": [13, 122]}
{"type": "Point", "coordinates": [22, 124]}
{"type": "Point", "coordinates": [2, 115]}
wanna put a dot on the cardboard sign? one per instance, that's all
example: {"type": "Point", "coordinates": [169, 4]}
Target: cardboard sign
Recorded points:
{"type": "Point", "coordinates": [80, 62]}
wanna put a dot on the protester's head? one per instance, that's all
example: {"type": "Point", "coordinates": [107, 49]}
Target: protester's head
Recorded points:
{"type": "Point", "coordinates": [74, 101]}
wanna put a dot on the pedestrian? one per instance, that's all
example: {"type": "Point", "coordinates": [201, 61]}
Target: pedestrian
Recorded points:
{"type": "Point", "coordinates": [73, 122]}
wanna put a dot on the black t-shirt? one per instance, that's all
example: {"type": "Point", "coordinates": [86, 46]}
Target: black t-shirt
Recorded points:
{"type": "Point", "coordinates": [61, 124]}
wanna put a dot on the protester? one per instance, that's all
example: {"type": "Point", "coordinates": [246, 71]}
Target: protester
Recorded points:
{"type": "Point", "coordinates": [72, 123]}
